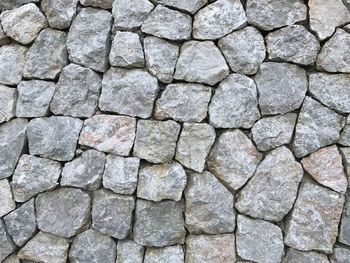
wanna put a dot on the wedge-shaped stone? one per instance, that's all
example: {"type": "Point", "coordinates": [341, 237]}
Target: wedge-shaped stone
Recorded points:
{"type": "Point", "coordinates": [7, 204]}
{"type": "Point", "coordinates": [189, 6]}
{"type": "Point", "coordinates": [59, 13]}
{"type": "Point", "coordinates": [12, 61]}
{"type": "Point", "coordinates": [129, 251]}
{"type": "Point", "coordinates": [345, 223]}
{"type": "Point", "coordinates": [296, 256]}
{"type": "Point", "coordinates": [6, 244]}
{"type": "Point", "coordinates": [171, 254]}
{"type": "Point", "coordinates": [105, 4]}
{"type": "Point", "coordinates": [8, 98]}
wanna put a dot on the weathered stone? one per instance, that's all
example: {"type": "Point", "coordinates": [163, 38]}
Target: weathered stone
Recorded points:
{"type": "Point", "coordinates": [129, 251]}
{"type": "Point", "coordinates": [258, 240]}
{"type": "Point", "coordinates": [112, 213]}
{"type": "Point", "coordinates": [275, 98]}
{"type": "Point", "coordinates": [77, 92]}
{"type": "Point", "coordinates": [108, 133]}
{"type": "Point", "coordinates": [313, 224]}
{"type": "Point", "coordinates": [233, 159]}
{"type": "Point", "coordinates": [11, 4]}
{"type": "Point", "coordinates": [271, 193]}
{"type": "Point", "coordinates": [6, 244]}
{"type": "Point", "coordinates": [88, 38]}
{"type": "Point", "coordinates": [345, 152]}
{"type": "Point", "coordinates": [8, 98]}
{"type": "Point", "coordinates": [188, 6]}
{"type": "Point", "coordinates": [167, 23]}
{"type": "Point", "coordinates": [120, 174]}
{"type": "Point", "coordinates": [92, 246]}
{"type": "Point", "coordinates": [340, 255]}
{"type": "Point", "coordinates": [12, 259]}
{"type": "Point", "coordinates": [172, 254]}
{"type": "Point", "coordinates": [293, 44]}
{"type": "Point", "coordinates": [59, 13]}
{"type": "Point", "coordinates": [130, 92]}
{"type": "Point", "coordinates": [54, 137]}
{"type": "Point", "coordinates": [105, 4]}
{"type": "Point", "coordinates": [317, 127]}
{"type": "Point", "coordinates": [194, 145]}
{"type": "Point", "coordinates": [295, 256]}
{"type": "Point", "coordinates": [7, 204]}
{"type": "Point", "coordinates": [201, 62]}
{"type": "Point", "coordinates": [159, 224]}
{"type": "Point", "coordinates": [156, 140]}
{"type": "Point", "coordinates": [344, 138]}
{"type": "Point", "coordinates": [345, 223]}
{"type": "Point", "coordinates": [185, 102]}
{"type": "Point", "coordinates": [4, 40]}
{"type": "Point", "coordinates": [244, 50]}
{"type": "Point", "coordinates": [64, 211]}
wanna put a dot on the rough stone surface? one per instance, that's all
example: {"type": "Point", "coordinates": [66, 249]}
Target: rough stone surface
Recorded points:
{"type": "Point", "coordinates": [345, 135]}
{"type": "Point", "coordinates": [7, 204]}
{"type": "Point", "coordinates": [8, 98]}
{"type": "Point", "coordinates": [191, 7]}
{"type": "Point", "coordinates": [345, 152]}
{"type": "Point", "coordinates": [340, 255]}
{"type": "Point", "coordinates": [171, 254]}
{"type": "Point", "coordinates": [59, 13]}
{"type": "Point", "coordinates": [129, 251]}
{"type": "Point", "coordinates": [345, 223]}
{"type": "Point", "coordinates": [11, 4]}
{"type": "Point", "coordinates": [12, 259]}
{"type": "Point", "coordinates": [4, 40]}
{"type": "Point", "coordinates": [6, 244]}
{"type": "Point", "coordinates": [296, 256]}
{"type": "Point", "coordinates": [105, 4]}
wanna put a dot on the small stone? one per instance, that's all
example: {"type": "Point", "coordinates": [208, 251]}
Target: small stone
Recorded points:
{"type": "Point", "coordinates": [210, 248]}
{"type": "Point", "coordinates": [11, 4]}
{"type": "Point", "coordinates": [267, 14]}
{"type": "Point", "coordinates": [345, 152]}
{"type": "Point", "coordinates": [45, 247]}
{"type": "Point", "coordinates": [88, 38]}
{"type": "Point", "coordinates": [4, 40]}
{"type": "Point", "coordinates": [6, 244]}
{"type": "Point", "coordinates": [109, 133]}
{"type": "Point", "coordinates": [7, 204]}
{"type": "Point", "coordinates": [191, 7]}
{"type": "Point", "coordinates": [130, 92]}
{"type": "Point", "coordinates": [185, 102]}
{"type": "Point", "coordinates": [8, 98]}
{"type": "Point", "coordinates": [54, 137]}
{"type": "Point", "coordinates": [317, 127]}
{"type": "Point", "coordinates": [233, 159]}
{"type": "Point", "coordinates": [77, 92]}
{"type": "Point", "coordinates": [293, 44]}
{"type": "Point", "coordinates": [201, 62]}
{"type": "Point", "coordinates": [259, 240]}
{"type": "Point", "coordinates": [167, 23]}
{"type": "Point", "coordinates": [112, 213]}
{"type": "Point", "coordinates": [295, 256]}
{"type": "Point", "coordinates": [105, 4]}
{"type": "Point", "coordinates": [59, 13]}
{"type": "Point", "coordinates": [92, 246]}
{"type": "Point", "coordinates": [21, 223]}
{"type": "Point", "coordinates": [129, 251]}
{"type": "Point", "coordinates": [271, 192]}
{"type": "Point", "coordinates": [156, 140]}
{"type": "Point", "coordinates": [345, 223]}
{"type": "Point", "coordinates": [120, 174]}
{"type": "Point", "coordinates": [275, 98]}
{"type": "Point", "coordinates": [172, 254]}
{"type": "Point", "coordinates": [313, 224]}
{"type": "Point", "coordinates": [63, 212]}
{"type": "Point", "coordinates": [340, 255]}
{"type": "Point", "coordinates": [12, 259]}
{"type": "Point", "coordinates": [194, 145]}
{"type": "Point", "coordinates": [244, 50]}
{"type": "Point", "coordinates": [148, 231]}
{"type": "Point", "coordinates": [345, 134]}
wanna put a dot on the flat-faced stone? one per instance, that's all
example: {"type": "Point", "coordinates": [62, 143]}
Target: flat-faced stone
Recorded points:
{"type": "Point", "coordinates": [171, 254]}
{"type": "Point", "coordinates": [6, 244]}
{"type": "Point", "coordinates": [345, 223]}
{"type": "Point", "coordinates": [340, 255]}
{"type": "Point", "coordinates": [129, 251]}
{"type": "Point", "coordinates": [59, 13]}
{"type": "Point", "coordinates": [188, 6]}
{"type": "Point", "coordinates": [105, 4]}
{"type": "Point", "coordinates": [296, 256]}
{"type": "Point", "coordinates": [8, 98]}
{"type": "Point", "coordinates": [344, 138]}
{"type": "Point", "coordinates": [7, 204]}
{"type": "Point", "coordinates": [345, 152]}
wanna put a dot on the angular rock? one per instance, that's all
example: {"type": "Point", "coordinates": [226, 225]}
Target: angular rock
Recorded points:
{"type": "Point", "coordinates": [233, 159]}
{"type": "Point", "coordinates": [201, 62]}
{"type": "Point", "coordinates": [345, 223]}
{"type": "Point", "coordinates": [4, 40]}
{"type": "Point", "coordinates": [167, 23]}
{"type": "Point", "coordinates": [185, 102]}
{"type": "Point", "coordinates": [156, 140]}
{"type": "Point", "coordinates": [105, 4]}
{"type": "Point", "coordinates": [88, 38]}
{"type": "Point", "coordinates": [345, 134]}
{"type": "Point", "coordinates": [6, 244]}
{"type": "Point", "coordinates": [345, 152]}
{"type": "Point", "coordinates": [129, 251]}
{"type": "Point", "coordinates": [7, 204]}
{"type": "Point", "coordinates": [188, 6]}
{"type": "Point", "coordinates": [8, 98]}
{"type": "Point", "coordinates": [172, 254]}
{"type": "Point", "coordinates": [11, 4]}
{"type": "Point", "coordinates": [129, 92]}
{"type": "Point", "coordinates": [296, 256]}
{"type": "Point", "coordinates": [63, 212]}
{"type": "Point", "coordinates": [108, 133]}
{"type": "Point", "coordinates": [59, 13]}
{"type": "Point", "coordinates": [12, 259]}
{"type": "Point", "coordinates": [251, 240]}
{"type": "Point", "coordinates": [159, 224]}
{"type": "Point", "coordinates": [340, 255]}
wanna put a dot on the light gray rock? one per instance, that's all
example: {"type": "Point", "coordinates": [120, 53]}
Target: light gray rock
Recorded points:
{"type": "Point", "coordinates": [275, 98]}
{"type": "Point", "coordinates": [8, 99]}
{"type": "Point", "coordinates": [345, 223]}
{"type": "Point", "coordinates": [129, 92]}
{"type": "Point", "coordinates": [6, 244]}
{"type": "Point", "coordinates": [89, 37]}
{"type": "Point", "coordinates": [108, 133]}
{"type": "Point", "coordinates": [105, 4]}
{"type": "Point", "coordinates": [159, 224]}
{"type": "Point", "coordinates": [59, 13]}
{"type": "Point", "coordinates": [340, 255]}
{"type": "Point", "coordinates": [345, 152]}
{"type": "Point", "coordinates": [345, 134]}
{"type": "Point", "coordinates": [4, 40]}
{"type": "Point", "coordinates": [185, 102]}
{"type": "Point", "coordinates": [63, 212]}
{"type": "Point", "coordinates": [201, 62]}
{"type": "Point", "coordinates": [129, 251]}
{"type": "Point", "coordinates": [317, 127]}
{"type": "Point", "coordinates": [172, 254]}
{"type": "Point", "coordinates": [11, 4]}
{"type": "Point", "coordinates": [233, 159]}
{"type": "Point", "coordinates": [188, 6]}
{"type": "Point", "coordinates": [7, 204]}
{"type": "Point", "coordinates": [12, 259]}
{"type": "Point", "coordinates": [296, 256]}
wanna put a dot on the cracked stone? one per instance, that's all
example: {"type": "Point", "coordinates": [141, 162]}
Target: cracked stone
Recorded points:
{"type": "Point", "coordinates": [345, 223]}
{"type": "Point", "coordinates": [8, 98]}
{"type": "Point", "coordinates": [6, 244]}
{"type": "Point", "coordinates": [7, 204]}
{"type": "Point", "coordinates": [340, 255]}
{"type": "Point", "coordinates": [105, 4]}
{"type": "Point", "coordinates": [129, 251]}
{"type": "Point", "coordinates": [191, 7]}
{"type": "Point", "coordinates": [59, 13]}
{"type": "Point", "coordinates": [171, 254]}
{"type": "Point", "coordinates": [296, 256]}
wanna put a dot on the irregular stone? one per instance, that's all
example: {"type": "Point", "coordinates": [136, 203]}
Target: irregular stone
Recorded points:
{"type": "Point", "coordinates": [244, 50]}
{"type": "Point", "coordinates": [345, 134]}
{"type": "Point", "coordinates": [345, 223]}
{"type": "Point", "coordinates": [12, 259]}
{"type": "Point", "coordinates": [54, 137]}
{"type": "Point", "coordinates": [88, 38]}
{"type": "Point", "coordinates": [201, 62]}
{"type": "Point", "coordinates": [77, 92]}
{"type": "Point", "coordinates": [112, 213]}
{"type": "Point", "coordinates": [105, 4]}
{"type": "Point", "coordinates": [63, 212]}
{"type": "Point", "coordinates": [293, 44]}
{"type": "Point", "coordinates": [317, 127]}
{"type": "Point", "coordinates": [194, 145]}
{"type": "Point", "coordinates": [6, 244]}
{"type": "Point", "coordinates": [148, 231]}
{"type": "Point", "coordinates": [8, 98]}
{"type": "Point", "coordinates": [167, 23]}
{"type": "Point", "coordinates": [233, 159]}
{"type": "Point", "coordinates": [128, 91]}
{"type": "Point", "coordinates": [271, 193]}
{"type": "Point", "coordinates": [129, 251]}
{"type": "Point", "coordinates": [271, 132]}
{"type": "Point", "coordinates": [235, 103]}
{"type": "Point", "coordinates": [185, 102]}
{"type": "Point", "coordinates": [267, 14]}
{"type": "Point", "coordinates": [251, 240]}
{"type": "Point", "coordinates": [191, 7]}
{"type": "Point", "coordinates": [11, 4]}
{"type": "Point", "coordinates": [313, 223]}
{"type": "Point", "coordinates": [108, 133]}
{"type": "Point", "coordinates": [172, 254]}
{"type": "Point", "coordinates": [4, 40]}
{"type": "Point", "coordinates": [161, 57]}
{"type": "Point", "coordinates": [156, 140]}
{"type": "Point", "coordinates": [295, 256]}
{"type": "Point", "coordinates": [85, 171]}
{"type": "Point", "coordinates": [45, 247]}
{"type": "Point", "coordinates": [340, 255]}
{"type": "Point", "coordinates": [275, 98]}
{"type": "Point", "coordinates": [345, 152]}
{"type": "Point", "coordinates": [59, 13]}
{"type": "Point", "coordinates": [92, 246]}
{"type": "Point", "coordinates": [7, 204]}
{"type": "Point", "coordinates": [21, 223]}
